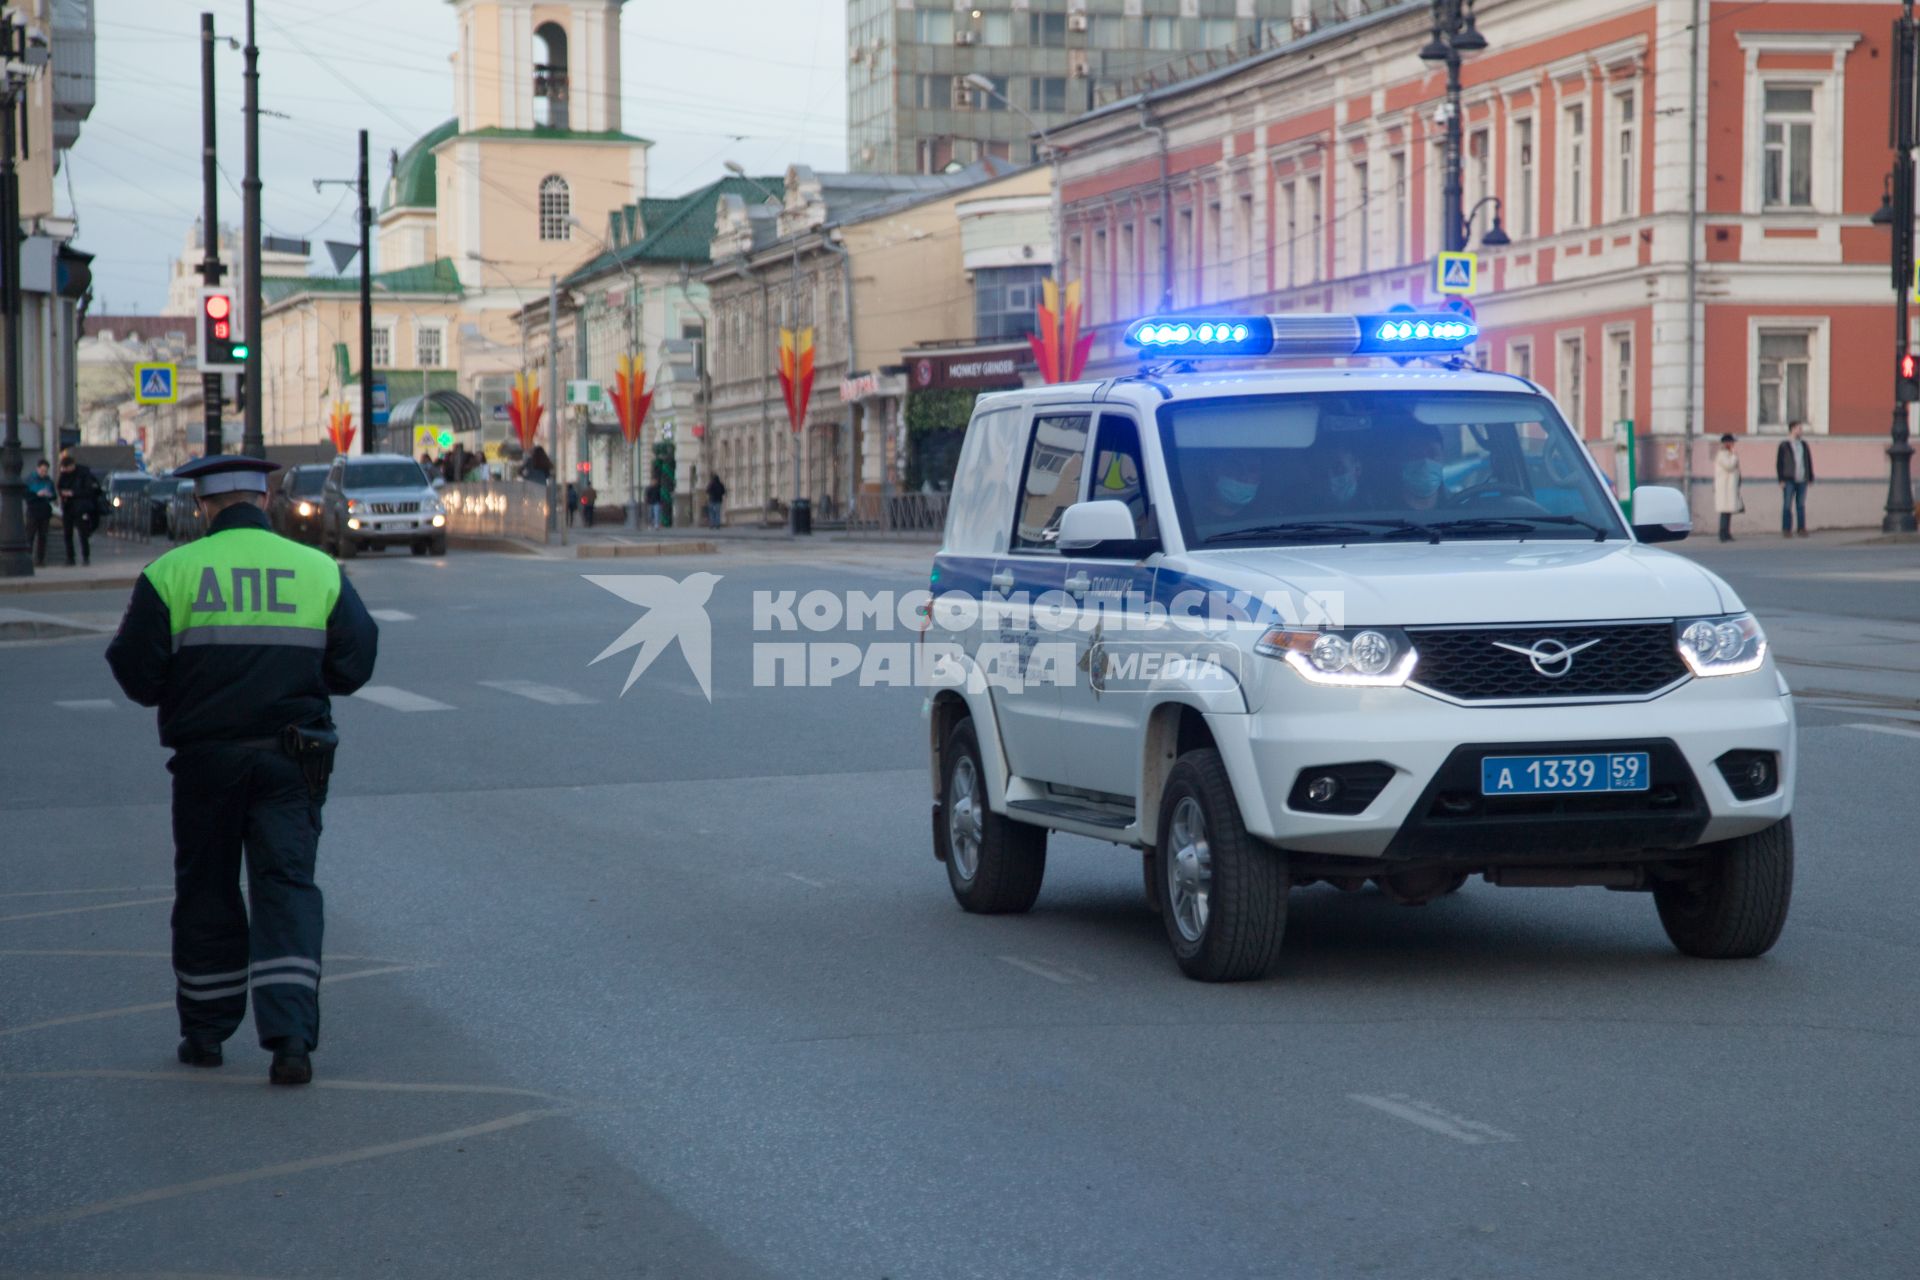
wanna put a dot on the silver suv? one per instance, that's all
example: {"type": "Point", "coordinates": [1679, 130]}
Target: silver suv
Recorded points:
{"type": "Point", "coordinates": [380, 500]}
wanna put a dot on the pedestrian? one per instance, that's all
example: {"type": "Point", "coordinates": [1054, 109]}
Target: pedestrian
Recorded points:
{"type": "Point", "coordinates": [1726, 487]}
{"type": "Point", "coordinates": [426, 461]}
{"type": "Point", "coordinates": [475, 465]}
{"type": "Point", "coordinates": [240, 639]}
{"type": "Point", "coordinates": [1793, 464]}
{"type": "Point", "coordinates": [716, 494]}
{"type": "Point", "coordinates": [450, 464]}
{"type": "Point", "coordinates": [653, 505]}
{"type": "Point", "coordinates": [573, 502]}
{"type": "Point", "coordinates": [40, 499]}
{"type": "Point", "coordinates": [79, 505]}
{"type": "Point", "coordinates": [587, 498]}
{"type": "Point", "coordinates": [537, 467]}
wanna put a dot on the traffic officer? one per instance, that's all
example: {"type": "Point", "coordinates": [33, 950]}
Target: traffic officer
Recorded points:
{"type": "Point", "coordinates": [239, 638]}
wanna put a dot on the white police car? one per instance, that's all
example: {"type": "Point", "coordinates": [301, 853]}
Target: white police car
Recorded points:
{"type": "Point", "coordinates": [1388, 624]}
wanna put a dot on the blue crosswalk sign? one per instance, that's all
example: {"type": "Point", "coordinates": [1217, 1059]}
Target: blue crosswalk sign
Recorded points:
{"type": "Point", "coordinates": [155, 383]}
{"type": "Point", "coordinates": [1455, 273]}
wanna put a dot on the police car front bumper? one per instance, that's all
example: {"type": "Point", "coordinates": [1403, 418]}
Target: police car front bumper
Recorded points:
{"type": "Point", "coordinates": [1429, 807]}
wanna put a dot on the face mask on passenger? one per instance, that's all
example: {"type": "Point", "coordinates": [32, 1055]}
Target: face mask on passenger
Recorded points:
{"type": "Point", "coordinates": [1421, 477]}
{"type": "Point", "coordinates": [1344, 484]}
{"type": "Point", "coordinates": [1234, 492]}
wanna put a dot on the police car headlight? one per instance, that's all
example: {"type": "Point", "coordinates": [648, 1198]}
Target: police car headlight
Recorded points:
{"type": "Point", "coordinates": [1368, 656]}
{"type": "Point", "coordinates": [1721, 646]}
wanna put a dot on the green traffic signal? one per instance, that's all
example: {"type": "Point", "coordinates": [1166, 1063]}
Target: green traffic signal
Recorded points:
{"type": "Point", "coordinates": [239, 351]}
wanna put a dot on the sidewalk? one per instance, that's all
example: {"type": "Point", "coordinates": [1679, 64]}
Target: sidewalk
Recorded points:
{"type": "Point", "coordinates": [116, 563]}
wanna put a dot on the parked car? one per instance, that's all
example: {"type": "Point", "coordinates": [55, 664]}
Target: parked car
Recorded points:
{"type": "Point", "coordinates": [380, 500]}
{"type": "Point", "coordinates": [159, 499]}
{"type": "Point", "coordinates": [183, 513]}
{"type": "Point", "coordinates": [294, 506]}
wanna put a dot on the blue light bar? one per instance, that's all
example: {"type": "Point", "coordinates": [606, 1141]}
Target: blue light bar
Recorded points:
{"type": "Point", "coordinates": [1303, 336]}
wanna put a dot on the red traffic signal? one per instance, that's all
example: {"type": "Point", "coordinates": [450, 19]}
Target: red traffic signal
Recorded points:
{"type": "Point", "coordinates": [219, 306]}
{"type": "Point", "coordinates": [221, 349]}
{"type": "Point", "coordinates": [1907, 384]}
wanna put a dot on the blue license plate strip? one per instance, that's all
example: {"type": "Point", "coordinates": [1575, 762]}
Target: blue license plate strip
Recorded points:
{"type": "Point", "coordinates": [1578, 772]}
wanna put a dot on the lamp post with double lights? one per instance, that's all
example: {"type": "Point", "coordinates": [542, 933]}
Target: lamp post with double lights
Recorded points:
{"type": "Point", "coordinates": [1454, 38]}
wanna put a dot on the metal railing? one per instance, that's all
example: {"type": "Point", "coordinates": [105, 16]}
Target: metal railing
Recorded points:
{"type": "Point", "coordinates": [132, 519]}
{"type": "Point", "coordinates": [496, 509]}
{"type": "Point", "coordinates": [899, 514]}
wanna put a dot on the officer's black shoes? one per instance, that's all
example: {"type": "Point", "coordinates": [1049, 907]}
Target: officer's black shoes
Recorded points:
{"type": "Point", "coordinates": [196, 1054]}
{"type": "Point", "coordinates": [291, 1065]}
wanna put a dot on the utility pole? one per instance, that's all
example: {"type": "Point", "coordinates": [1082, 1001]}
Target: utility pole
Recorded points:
{"type": "Point", "coordinates": [1899, 516]}
{"type": "Point", "coordinates": [16, 555]}
{"type": "Point", "coordinates": [211, 269]}
{"type": "Point", "coordinates": [365, 215]}
{"type": "Point", "coordinates": [252, 441]}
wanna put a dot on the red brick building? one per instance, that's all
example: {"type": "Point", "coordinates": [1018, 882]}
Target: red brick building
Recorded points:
{"type": "Point", "coordinates": [1308, 178]}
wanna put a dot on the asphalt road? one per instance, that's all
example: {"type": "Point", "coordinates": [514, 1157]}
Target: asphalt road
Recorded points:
{"type": "Point", "coordinates": [652, 986]}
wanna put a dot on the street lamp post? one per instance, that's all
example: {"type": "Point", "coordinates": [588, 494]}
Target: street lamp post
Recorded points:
{"type": "Point", "coordinates": [1454, 38]}
{"type": "Point", "coordinates": [1898, 210]}
{"type": "Point", "coordinates": [985, 85]}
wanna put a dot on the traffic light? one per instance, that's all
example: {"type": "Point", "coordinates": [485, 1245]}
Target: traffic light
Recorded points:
{"type": "Point", "coordinates": [1907, 384]}
{"type": "Point", "coordinates": [222, 349]}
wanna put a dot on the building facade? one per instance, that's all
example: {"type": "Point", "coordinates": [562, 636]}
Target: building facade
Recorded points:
{"type": "Point", "coordinates": [1309, 178]}
{"type": "Point", "coordinates": [873, 264]}
{"type": "Point", "coordinates": [909, 109]}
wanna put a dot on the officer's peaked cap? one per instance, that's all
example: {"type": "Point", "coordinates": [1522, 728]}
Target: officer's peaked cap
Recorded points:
{"type": "Point", "coordinates": [227, 473]}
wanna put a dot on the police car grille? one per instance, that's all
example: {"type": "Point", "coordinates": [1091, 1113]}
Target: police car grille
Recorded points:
{"type": "Point", "coordinates": [1629, 660]}
{"type": "Point", "coordinates": [394, 508]}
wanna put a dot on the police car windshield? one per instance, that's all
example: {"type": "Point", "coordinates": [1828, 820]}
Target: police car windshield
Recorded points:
{"type": "Point", "coordinates": [385, 475]}
{"type": "Point", "coordinates": [1355, 466]}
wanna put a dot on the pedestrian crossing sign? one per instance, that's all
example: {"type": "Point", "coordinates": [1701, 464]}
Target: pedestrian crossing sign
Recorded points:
{"type": "Point", "coordinates": [1455, 273]}
{"type": "Point", "coordinates": [156, 383]}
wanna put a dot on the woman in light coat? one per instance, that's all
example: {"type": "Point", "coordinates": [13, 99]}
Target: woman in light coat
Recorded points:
{"type": "Point", "coordinates": [1726, 487]}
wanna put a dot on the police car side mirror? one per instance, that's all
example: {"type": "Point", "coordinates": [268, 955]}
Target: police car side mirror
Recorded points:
{"type": "Point", "coordinates": [1102, 530]}
{"type": "Point", "coordinates": [1660, 514]}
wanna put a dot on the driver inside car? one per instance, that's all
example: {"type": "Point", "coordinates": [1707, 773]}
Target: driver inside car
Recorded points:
{"type": "Point", "coordinates": [1421, 472]}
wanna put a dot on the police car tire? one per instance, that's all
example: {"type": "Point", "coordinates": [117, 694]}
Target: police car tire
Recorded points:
{"type": "Point", "coordinates": [1247, 901]}
{"type": "Point", "coordinates": [1013, 855]}
{"type": "Point", "coordinates": [1738, 909]}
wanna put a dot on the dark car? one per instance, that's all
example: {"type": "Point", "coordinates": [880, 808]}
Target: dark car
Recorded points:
{"type": "Point", "coordinates": [294, 507]}
{"type": "Point", "coordinates": [159, 500]}
{"type": "Point", "coordinates": [183, 511]}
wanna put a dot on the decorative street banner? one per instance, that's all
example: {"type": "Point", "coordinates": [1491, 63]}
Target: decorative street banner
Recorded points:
{"type": "Point", "coordinates": [631, 399]}
{"type": "Point", "coordinates": [1058, 345]}
{"type": "Point", "coordinates": [796, 373]}
{"type": "Point", "coordinates": [524, 409]}
{"type": "Point", "coordinates": [340, 427]}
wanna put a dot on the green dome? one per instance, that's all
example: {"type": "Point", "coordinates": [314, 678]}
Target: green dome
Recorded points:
{"type": "Point", "coordinates": [412, 183]}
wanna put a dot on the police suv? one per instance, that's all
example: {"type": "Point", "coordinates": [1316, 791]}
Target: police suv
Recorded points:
{"type": "Point", "coordinates": [1379, 622]}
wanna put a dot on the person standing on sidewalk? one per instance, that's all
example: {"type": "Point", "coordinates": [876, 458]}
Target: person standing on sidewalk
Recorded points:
{"type": "Point", "coordinates": [652, 498]}
{"type": "Point", "coordinates": [1793, 464]}
{"type": "Point", "coordinates": [40, 498]}
{"type": "Point", "coordinates": [79, 505]}
{"type": "Point", "coordinates": [1726, 487]}
{"type": "Point", "coordinates": [716, 494]}
{"type": "Point", "coordinates": [241, 638]}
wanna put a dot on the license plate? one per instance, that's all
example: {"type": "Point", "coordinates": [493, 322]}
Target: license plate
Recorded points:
{"type": "Point", "coordinates": [1550, 775]}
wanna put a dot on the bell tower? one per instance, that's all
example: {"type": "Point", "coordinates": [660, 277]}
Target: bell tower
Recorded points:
{"type": "Point", "coordinates": [538, 64]}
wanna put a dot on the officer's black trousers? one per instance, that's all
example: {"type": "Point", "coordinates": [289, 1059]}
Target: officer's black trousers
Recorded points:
{"type": "Point", "coordinates": [227, 799]}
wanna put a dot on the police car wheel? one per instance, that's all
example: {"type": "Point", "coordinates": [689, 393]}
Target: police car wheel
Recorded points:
{"type": "Point", "coordinates": [1223, 893]}
{"type": "Point", "coordinates": [1737, 906]}
{"type": "Point", "coordinates": [994, 864]}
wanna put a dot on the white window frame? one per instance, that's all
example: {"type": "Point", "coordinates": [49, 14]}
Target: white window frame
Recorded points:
{"type": "Point", "coordinates": [556, 214]}
{"type": "Point", "coordinates": [1245, 222]}
{"type": "Point", "coordinates": [1099, 301]}
{"type": "Point", "coordinates": [1522, 202]}
{"type": "Point", "coordinates": [1514, 351]}
{"type": "Point", "coordinates": [1359, 176]}
{"type": "Point", "coordinates": [1290, 232]}
{"type": "Point", "coordinates": [382, 354]}
{"type": "Point", "coordinates": [1624, 155]}
{"type": "Point", "coordinates": [1479, 172]}
{"type": "Point", "coordinates": [437, 329]}
{"type": "Point", "coordinates": [1573, 160]}
{"type": "Point", "coordinates": [1819, 370]}
{"type": "Point", "coordinates": [1402, 224]}
{"type": "Point", "coordinates": [1829, 114]}
{"type": "Point", "coordinates": [1317, 225]}
{"type": "Point", "coordinates": [1574, 407]}
{"type": "Point", "coordinates": [1612, 366]}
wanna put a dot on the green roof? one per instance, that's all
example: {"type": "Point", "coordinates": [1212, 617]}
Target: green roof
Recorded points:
{"type": "Point", "coordinates": [543, 134]}
{"type": "Point", "coordinates": [679, 229]}
{"type": "Point", "coordinates": [428, 277]}
{"type": "Point", "coordinates": [413, 184]}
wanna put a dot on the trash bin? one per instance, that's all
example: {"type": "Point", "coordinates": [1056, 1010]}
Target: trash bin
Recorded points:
{"type": "Point", "coordinates": [802, 516]}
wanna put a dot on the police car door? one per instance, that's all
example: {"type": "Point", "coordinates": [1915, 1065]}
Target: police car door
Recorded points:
{"type": "Point", "coordinates": [1101, 710]}
{"type": "Point", "coordinates": [1032, 576]}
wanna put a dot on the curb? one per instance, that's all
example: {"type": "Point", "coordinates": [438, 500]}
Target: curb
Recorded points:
{"type": "Point", "coordinates": [616, 550]}
{"type": "Point", "coordinates": [11, 586]}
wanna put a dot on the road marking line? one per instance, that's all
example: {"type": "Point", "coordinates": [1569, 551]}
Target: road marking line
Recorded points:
{"type": "Point", "coordinates": [145, 955]}
{"type": "Point", "coordinates": [98, 906]}
{"type": "Point", "coordinates": [1886, 728]}
{"type": "Point", "coordinates": [288, 1168]}
{"type": "Point", "coordinates": [87, 704]}
{"type": "Point", "coordinates": [1433, 1119]}
{"type": "Point", "coordinates": [1062, 974]}
{"type": "Point", "coordinates": [806, 880]}
{"type": "Point", "coordinates": [385, 695]}
{"type": "Point", "coordinates": [364, 1086]}
{"type": "Point", "coordinates": [390, 615]}
{"type": "Point", "coordinates": [553, 695]}
{"type": "Point", "coordinates": [67, 893]}
{"type": "Point", "coordinates": [123, 1010]}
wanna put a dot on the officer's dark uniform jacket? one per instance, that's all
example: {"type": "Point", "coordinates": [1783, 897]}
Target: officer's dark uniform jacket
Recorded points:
{"type": "Point", "coordinates": [236, 638]}
{"type": "Point", "coordinates": [241, 633]}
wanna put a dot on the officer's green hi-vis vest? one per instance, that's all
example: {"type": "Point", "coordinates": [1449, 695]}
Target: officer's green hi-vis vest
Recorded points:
{"type": "Point", "coordinates": [246, 586]}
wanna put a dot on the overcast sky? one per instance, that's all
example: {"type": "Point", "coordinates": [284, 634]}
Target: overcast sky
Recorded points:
{"type": "Point", "coordinates": [759, 81]}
